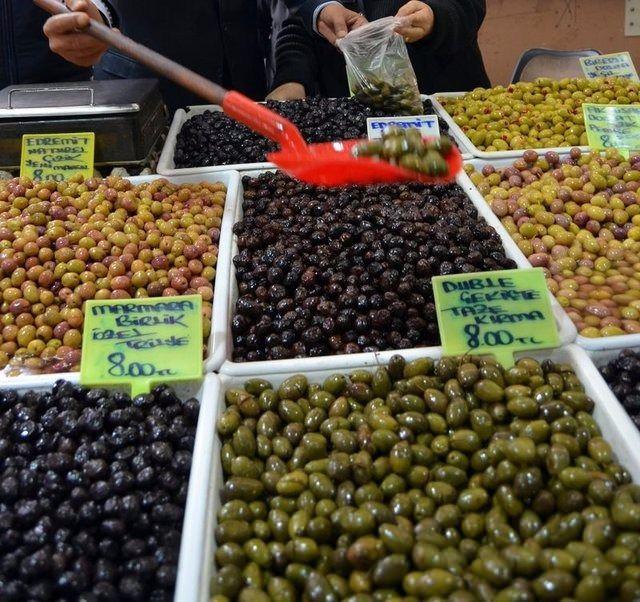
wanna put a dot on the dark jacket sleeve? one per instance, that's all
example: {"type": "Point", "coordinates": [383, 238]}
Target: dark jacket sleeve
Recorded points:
{"type": "Point", "coordinates": [304, 9]}
{"type": "Point", "coordinates": [295, 56]}
{"type": "Point", "coordinates": [456, 24]}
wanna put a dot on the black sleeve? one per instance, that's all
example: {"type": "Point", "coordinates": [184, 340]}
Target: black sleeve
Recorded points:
{"type": "Point", "coordinates": [456, 24]}
{"type": "Point", "coordinates": [304, 9]}
{"type": "Point", "coordinates": [295, 56]}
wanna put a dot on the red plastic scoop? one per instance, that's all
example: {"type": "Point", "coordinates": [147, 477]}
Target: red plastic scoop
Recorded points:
{"type": "Point", "coordinates": [327, 164]}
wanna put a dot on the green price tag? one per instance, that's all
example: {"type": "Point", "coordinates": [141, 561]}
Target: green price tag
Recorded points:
{"type": "Point", "coordinates": [495, 313]}
{"type": "Point", "coordinates": [618, 64]}
{"type": "Point", "coordinates": [142, 342]}
{"type": "Point", "coordinates": [57, 156]}
{"type": "Point", "coordinates": [613, 126]}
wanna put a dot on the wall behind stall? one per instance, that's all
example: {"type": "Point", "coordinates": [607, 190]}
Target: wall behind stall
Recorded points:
{"type": "Point", "coordinates": [512, 26]}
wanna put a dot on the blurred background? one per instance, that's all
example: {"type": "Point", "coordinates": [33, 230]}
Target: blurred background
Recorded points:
{"type": "Point", "coordinates": [512, 26]}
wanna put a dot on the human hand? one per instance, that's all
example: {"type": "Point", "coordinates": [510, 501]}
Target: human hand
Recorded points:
{"type": "Point", "coordinates": [288, 91]}
{"type": "Point", "coordinates": [419, 17]}
{"type": "Point", "coordinates": [335, 21]}
{"type": "Point", "coordinates": [66, 37]}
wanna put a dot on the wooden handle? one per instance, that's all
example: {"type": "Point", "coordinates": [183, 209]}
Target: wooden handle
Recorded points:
{"type": "Point", "coordinates": [160, 64]}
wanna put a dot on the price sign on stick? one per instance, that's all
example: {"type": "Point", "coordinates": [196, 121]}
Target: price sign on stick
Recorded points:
{"type": "Point", "coordinates": [142, 341]}
{"type": "Point", "coordinates": [613, 126]}
{"type": "Point", "coordinates": [618, 64]}
{"type": "Point", "coordinates": [57, 156]}
{"type": "Point", "coordinates": [495, 313]}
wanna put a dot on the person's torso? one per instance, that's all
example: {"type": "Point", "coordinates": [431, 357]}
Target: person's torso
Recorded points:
{"type": "Point", "coordinates": [463, 70]}
{"type": "Point", "coordinates": [216, 38]}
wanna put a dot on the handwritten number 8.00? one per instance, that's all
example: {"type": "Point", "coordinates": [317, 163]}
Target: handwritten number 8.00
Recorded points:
{"type": "Point", "coordinates": [492, 338]}
{"type": "Point", "coordinates": [118, 368]}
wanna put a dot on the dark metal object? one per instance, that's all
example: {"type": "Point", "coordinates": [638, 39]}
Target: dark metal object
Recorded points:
{"type": "Point", "coordinates": [127, 116]}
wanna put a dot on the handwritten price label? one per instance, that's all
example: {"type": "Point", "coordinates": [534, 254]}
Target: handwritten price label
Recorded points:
{"type": "Point", "coordinates": [142, 341]}
{"type": "Point", "coordinates": [427, 124]}
{"type": "Point", "coordinates": [57, 156]}
{"type": "Point", "coordinates": [495, 313]}
{"type": "Point", "coordinates": [618, 64]}
{"type": "Point", "coordinates": [612, 126]}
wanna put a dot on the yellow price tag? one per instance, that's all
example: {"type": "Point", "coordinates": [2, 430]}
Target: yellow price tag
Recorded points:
{"type": "Point", "coordinates": [142, 341]}
{"type": "Point", "coordinates": [496, 313]}
{"type": "Point", "coordinates": [57, 156]}
{"type": "Point", "coordinates": [612, 126]}
{"type": "Point", "coordinates": [618, 64]}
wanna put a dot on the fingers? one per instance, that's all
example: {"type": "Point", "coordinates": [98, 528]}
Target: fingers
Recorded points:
{"type": "Point", "coordinates": [77, 5]}
{"type": "Point", "coordinates": [337, 22]}
{"type": "Point", "coordinates": [66, 37]}
{"type": "Point", "coordinates": [411, 34]}
{"type": "Point", "coordinates": [85, 6]}
{"type": "Point", "coordinates": [409, 8]}
{"type": "Point", "coordinates": [418, 21]}
{"type": "Point", "coordinates": [59, 25]}
{"type": "Point", "coordinates": [326, 32]}
{"type": "Point", "coordinates": [357, 20]}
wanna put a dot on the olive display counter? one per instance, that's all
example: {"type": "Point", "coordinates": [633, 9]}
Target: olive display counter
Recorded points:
{"type": "Point", "coordinates": [331, 451]}
{"type": "Point", "coordinates": [63, 244]}
{"type": "Point", "coordinates": [545, 114]}
{"type": "Point", "coordinates": [447, 478]}
{"type": "Point", "coordinates": [559, 211]}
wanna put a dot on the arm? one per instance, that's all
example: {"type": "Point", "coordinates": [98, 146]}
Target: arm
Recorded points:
{"type": "Point", "coordinates": [295, 61]}
{"type": "Point", "coordinates": [455, 24]}
{"type": "Point", "coordinates": [305, 9]}
{"type": "Point", "coordinates": [326, 17]}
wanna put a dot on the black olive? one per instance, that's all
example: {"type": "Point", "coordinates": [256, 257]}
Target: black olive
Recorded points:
{"type": "Point", "coordinates": [77, 472]}
{"type": "Point", "coordinates": [212, 138]}
{"type": "Point", "coordinates": [623, 376]}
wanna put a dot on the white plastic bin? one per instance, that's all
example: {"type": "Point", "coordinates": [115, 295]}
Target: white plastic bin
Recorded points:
{"type": "Point", "coordinates": [216, 349]}
{"type": "Point", "coordinates": [592, 344]}
{"type": "Point", "coordinates": [614, 422]}
{"type": "Point", "coordinates": [458, 134]}
{"type": "Point", "coordinates": [566, 328]}
{"type": "Point", "coordinates": [194, 539]}
{"type": "Point", "coordinates": [166, 164]}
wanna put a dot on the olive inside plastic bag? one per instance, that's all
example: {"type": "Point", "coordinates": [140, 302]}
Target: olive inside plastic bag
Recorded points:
{"type": "Point", "coordinates": [379, 70]}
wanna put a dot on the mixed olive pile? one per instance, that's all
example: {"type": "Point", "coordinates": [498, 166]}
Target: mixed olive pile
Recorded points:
{"type": "Point", "coordinates": [544, 113]}
{"type": "Point", "coordinates": [579, 219]}
{"type": "Point", "coordinates": [212, 138]}
{"type": "Point", "coordinates": [407, 148]}
{"type": "Point", "coordinates": [92, 493]}
{"type": "Point", "coordinates": [385, 96]}
{"type": "Point", "coordinates": [323, 271]}
{"type": "Point", "coordinates": [62, 244]}
{"type": "Point", "coordinates": [450, 480]}
{"type": "Point", "coordinates": [623, 376]}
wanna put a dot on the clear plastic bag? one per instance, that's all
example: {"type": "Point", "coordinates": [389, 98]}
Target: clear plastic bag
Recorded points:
{"type": "Point", "coordinates": [379, 70]}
